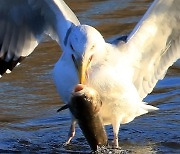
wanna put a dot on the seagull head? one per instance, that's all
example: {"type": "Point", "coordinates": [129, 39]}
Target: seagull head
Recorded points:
{"type": "Point", "coordinates": [87, 45]}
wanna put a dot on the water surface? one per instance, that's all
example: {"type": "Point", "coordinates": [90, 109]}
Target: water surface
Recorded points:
{"type": "Point", "coordinates": [28, 104]}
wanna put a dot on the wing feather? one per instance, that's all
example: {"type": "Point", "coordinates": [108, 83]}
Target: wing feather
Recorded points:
{"type": "Point", "coordinates": [154, 44]}
{"type": "Point", "coordinates": [23, 24]}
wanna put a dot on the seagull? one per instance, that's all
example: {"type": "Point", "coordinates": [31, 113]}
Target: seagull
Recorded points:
{"type": "Point", "coordinates": [123, 72]}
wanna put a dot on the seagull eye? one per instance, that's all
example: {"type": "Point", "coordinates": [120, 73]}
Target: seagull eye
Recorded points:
{"type": "Point", "coordinates": [92, 47]}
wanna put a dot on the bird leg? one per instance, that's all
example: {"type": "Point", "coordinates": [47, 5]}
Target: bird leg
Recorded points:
{"type": "Point", "coordinates": [71, 133]}
{"type": "Point", "coordinates": [116, 126]}
{"type": "Point", "coordinates": [115, 141]}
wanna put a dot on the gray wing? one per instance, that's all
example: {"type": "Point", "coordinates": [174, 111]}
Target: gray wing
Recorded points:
{"type": "Point", "coordinates": [154, 44]}
{"type": "Point", "coordinates": [23, 23]}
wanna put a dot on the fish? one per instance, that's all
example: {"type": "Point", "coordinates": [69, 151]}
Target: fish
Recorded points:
{"type": "Point", "coordinates": [84, 105]}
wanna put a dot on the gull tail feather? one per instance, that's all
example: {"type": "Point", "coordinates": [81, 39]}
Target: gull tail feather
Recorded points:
{"type": "Point", "coordinates": [145, 108]}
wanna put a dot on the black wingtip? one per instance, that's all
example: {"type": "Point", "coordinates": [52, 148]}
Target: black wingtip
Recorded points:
{"type": "Point", "coordinates": [4, 66]}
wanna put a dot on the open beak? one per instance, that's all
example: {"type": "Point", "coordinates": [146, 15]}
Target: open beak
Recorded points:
{"type": "Point", "coordinates": [81, 66]}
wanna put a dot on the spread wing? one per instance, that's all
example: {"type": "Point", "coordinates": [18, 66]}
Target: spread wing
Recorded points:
{"type": "Point", "coordinates": [154, 44]}
{"type": "Point", "coordinates": [23, 23]}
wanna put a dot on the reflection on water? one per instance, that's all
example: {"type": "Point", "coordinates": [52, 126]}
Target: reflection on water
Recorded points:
{"type": "Point", "coordinates": [28, 104]}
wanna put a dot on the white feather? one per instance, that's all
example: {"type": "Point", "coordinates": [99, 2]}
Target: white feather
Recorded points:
{"type": "Point", "coordinates": [124, 73]}
{"type": "Point", "coordinates": [24, 22]}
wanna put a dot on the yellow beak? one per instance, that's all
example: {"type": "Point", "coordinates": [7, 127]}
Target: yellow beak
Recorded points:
{"type": "Point", "coordinates": [81, 67]}
{"type": "Point", "coordinates": [82, 72]}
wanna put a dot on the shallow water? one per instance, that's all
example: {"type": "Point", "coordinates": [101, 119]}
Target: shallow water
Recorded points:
{"type": "Point", "coordinates": [28, 104]}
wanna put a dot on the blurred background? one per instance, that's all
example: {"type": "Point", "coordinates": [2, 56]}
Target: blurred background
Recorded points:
{"type": "Point", "coordinates": [29, 101]}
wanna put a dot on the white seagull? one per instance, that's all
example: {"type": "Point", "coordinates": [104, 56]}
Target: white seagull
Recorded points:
{"type": "Point", "coordinates": [123, 72]}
